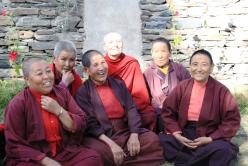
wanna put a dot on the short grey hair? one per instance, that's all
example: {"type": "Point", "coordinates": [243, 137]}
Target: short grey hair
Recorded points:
{"type": "Point", "coordinates": [27, 64]}
{"type": "Point", "coordinates": [64, 45]}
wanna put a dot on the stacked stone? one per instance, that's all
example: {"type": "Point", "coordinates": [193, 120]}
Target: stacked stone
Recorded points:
{"type": "Point", "coordinates": [155, 17]}
{"type": "Point", "coordinates": [40, 24]}
{"type": "Point", "coordinates": [218, 26]}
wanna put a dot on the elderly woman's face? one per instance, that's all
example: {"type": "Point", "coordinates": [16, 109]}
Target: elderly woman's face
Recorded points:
{"type": "Point", "coordinates": [64, 62]}
{"type": "Point", "coordinates": [160, 54]}
{"type": "Point", "coordinates": [201, 68]}
{"type": "Point", "coordinates": [113, 44]}
{"type": "Point", "coordinates": [98, 70]}
{"type": "Point", "coordinates": [40, 77]}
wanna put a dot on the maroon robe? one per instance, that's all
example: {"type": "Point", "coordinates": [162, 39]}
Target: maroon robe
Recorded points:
{"type": "Point", "coordinates": [127, 69]}
{"type": "Point", "coordinates": [219, 119]}
{"type": "Point", "coordinates": [24, 131]}
{"type": "Point", "coordinates": [2, 143]}
{"type": "Point", "coordinates": [160, 85]}
{"type": "Point", "coordinates": [118, 130]}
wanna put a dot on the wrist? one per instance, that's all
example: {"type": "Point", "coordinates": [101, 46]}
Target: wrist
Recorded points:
{"type": "Point", "coordinates": [60, 112]}
{"type": "Point", "coordinates": [134, 134]}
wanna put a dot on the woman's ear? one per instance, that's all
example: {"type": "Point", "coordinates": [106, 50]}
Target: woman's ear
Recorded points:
{"type": "Point", "coordinates": [85, 70]}
{"type": "Point", "coordinates": [26, 81]}
{"type": "Point", "coordinates": [212, 68]}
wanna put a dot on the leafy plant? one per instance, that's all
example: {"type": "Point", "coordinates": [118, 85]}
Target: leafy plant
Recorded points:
{"type": "Point", "coordinates": [13, 41]}
{"type": "Point", "coordinates": [8, 89]}
{"type": "Point", "coordinates": [242, 101]}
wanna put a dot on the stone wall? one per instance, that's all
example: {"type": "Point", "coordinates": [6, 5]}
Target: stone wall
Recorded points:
{"type": "Point", "coordinates": [40, 24]}
{"type": "Point", "coordinates": [216, 25]}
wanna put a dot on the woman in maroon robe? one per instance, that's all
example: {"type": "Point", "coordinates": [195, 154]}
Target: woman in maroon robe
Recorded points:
{"type": "Point", "coordinates": [162, 76]}
{"type": "Point", "coordinates": [43, 124]}
{"type": "Point", "coordinates": [64, 59]}
{"type": "Point", "coordinates": [127, 68]}
{"type": "Point", "coordinates": [200, 117]}
{"type": "Point", "coordinates": [114, 125]}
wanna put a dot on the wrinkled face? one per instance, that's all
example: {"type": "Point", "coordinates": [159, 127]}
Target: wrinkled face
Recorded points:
{"type": "Point", "coordinates": [160, 54]}
{"type": "Point", "coordinates": [98, 70]}
{"type": "Point", "coordinates": [40, 77]}
{"type": "Point", "coordinates": [113, 45]}
{"type": "Point", "coordinates": [64, 62]}
{"type": "Point", "coordinates": [201, 68]}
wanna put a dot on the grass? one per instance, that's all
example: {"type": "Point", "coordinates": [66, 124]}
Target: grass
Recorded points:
{"type": "Point", "coordinates": [8, 89]}
{"type": "Point", "coordinates": [242, 101]}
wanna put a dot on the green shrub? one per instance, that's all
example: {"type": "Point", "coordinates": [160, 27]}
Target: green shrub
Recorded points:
{"type": "Point", "coordinates": [242, 101]}
{"type": "Point", "coordinates": [8, 89]}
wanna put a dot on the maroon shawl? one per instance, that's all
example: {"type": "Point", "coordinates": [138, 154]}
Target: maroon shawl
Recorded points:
{"type": "Point", "coordinates": [24, 128]}
{"type": "Point", "coordinates": [219, 117]}
{"type": "Point", "coordinates": [160, 85]}
{"type": "Point", "coordinates": [98, 122]}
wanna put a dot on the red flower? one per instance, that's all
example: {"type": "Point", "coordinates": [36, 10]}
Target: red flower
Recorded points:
{"type": "Point", "coordinates": [176, 13]}
{"type": "Point", "coordinates": [13, 56]}
{"type": "Point", "coordinates": [4, 12]}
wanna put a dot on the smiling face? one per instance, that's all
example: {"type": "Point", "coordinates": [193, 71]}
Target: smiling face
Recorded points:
{"type": "Point", "coordinates": [40, 77]}
{"type": "Point", "coordinates": [160, 54]}
{"type": "Point", "coordinates": [64, 62]}
{"type": "Point", "coordinates": [98, 70]}
{"type": "Point", "coordinates": [201, 68]}
{"type": "Point", "coordinates": [113, 45]}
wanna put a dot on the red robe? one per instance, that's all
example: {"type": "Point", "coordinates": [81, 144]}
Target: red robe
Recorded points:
{"type": "Point", "coordinates": [26, 140]}
{"type": "Point", "coordinates": [76, 83]}
{"type": "Point", "coordinates": [219, 117]}
{"type": "Point", "coordinates": [127, 69]}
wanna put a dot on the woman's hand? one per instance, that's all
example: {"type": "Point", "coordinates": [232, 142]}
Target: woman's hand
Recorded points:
{"type": "Point", "coordinates": [67, 78]}
{"type": "Point", "coordinates": [49, 162]}
{"type": "Point", "coordinates": [202, 141]}
{"type": "Point", "coordinates": [50, 105]}
{"type": "Point", "coordinates": [185, 141]}
{"type": "Point", "coordinates": [118, 153]}
{"type": "Point", "coordinates": [133, 144]}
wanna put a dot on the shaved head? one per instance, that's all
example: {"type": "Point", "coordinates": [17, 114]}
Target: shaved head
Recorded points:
{"type": "Point", "coordinates": [113, 44]}
{"type": "Point", "coordinates": [111, 35]}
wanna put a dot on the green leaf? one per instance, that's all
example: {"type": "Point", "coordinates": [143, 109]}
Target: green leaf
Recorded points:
{"type": "Point", "coordinates": [177, 40]}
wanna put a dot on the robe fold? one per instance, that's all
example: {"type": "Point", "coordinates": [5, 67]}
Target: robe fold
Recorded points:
{"type": "Point", "coordinates": [118, 130]}
{"type": "Point", "coordinates": [2, 144]}
{"type": "Point", "coordinates": [219, 119]}
{"type": "Point", "coordinates": [128, 69]}
{"type": "Point", "coordinates": [76, 83]}
{"type": "Point", "coordinates": [24, 131]}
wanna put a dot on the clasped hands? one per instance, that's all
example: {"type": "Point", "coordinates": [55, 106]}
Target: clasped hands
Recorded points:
{"type": "Point", "coordinates": [192, 144]}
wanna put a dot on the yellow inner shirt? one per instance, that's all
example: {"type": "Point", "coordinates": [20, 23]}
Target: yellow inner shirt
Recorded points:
{"type": "Point", "coordinates": [164, 69]}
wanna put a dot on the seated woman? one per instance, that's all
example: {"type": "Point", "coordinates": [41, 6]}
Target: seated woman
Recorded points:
{"type": "Point", "coordinates": [43, 124]}
{"type": "Point", "coordinates": [200, 117]}
{"type": "Point", "coordinates": [64, 58]}
{"type": "Point", "coordinates": [114, 125]}
{"type": "Point", "coordinates": [162, 75]}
